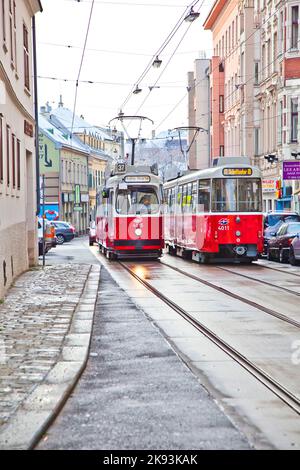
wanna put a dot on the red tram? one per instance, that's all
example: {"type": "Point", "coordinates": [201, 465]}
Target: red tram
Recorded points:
{"type": "Point", "coordinates": [129, 221]}
{"type": "Point", "coordinates": [216, 213]}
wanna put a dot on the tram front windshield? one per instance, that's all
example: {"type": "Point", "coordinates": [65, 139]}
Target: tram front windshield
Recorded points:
{"type": "Point", "coordinates": [137, 200]}
{"type": "Point", "coordinates": [236, 195]}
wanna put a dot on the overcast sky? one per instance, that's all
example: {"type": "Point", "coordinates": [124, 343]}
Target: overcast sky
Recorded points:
{"type": "Point", "coordinates": [125, 35]}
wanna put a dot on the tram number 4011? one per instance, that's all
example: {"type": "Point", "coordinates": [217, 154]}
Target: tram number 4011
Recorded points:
{"type": "Point", "coordinates": [223, 227]}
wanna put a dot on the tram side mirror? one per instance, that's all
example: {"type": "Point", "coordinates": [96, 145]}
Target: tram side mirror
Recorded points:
{"type": "Point", "coordinates": [105, 193]}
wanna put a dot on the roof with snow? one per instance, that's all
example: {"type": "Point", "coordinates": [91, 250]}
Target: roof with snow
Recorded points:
{"type": "Point", "coordinates": [59, 136]}
{"type": "Point", "coordinates": [80, 125]}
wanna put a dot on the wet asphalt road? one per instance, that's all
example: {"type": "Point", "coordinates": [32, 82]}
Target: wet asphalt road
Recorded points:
{"type": "Point", "coordinates": [77, 251]}
{"type": "Point", "coordinates": [135, 392]}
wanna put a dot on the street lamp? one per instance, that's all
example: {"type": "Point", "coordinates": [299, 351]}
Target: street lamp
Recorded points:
{"type": "Point", "coordinates": [296, 155]}
{"type": "Point", "coordinates": [137, 90]}
{"type": "Point", "coordinates": [157, 63]}
{"type": "Point", "coordinates": [192, 15]}
{"type": "Point", "coordinates": [271, 158]}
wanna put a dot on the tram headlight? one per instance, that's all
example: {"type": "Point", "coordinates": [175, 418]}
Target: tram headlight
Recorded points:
{"type": "Point", "coordinates": [238, 233]}
{"type": "Point", "coordinates": [138, 232]}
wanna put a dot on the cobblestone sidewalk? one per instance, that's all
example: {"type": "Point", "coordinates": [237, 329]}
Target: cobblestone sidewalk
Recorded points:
{"type": "Point", "coordinates": [34, 321]}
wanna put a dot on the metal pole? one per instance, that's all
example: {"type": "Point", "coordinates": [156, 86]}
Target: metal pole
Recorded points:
{"type": "Point", "coordinates": [36, 115]}
{"type": "Point", "coordinates": [133, 141]}
{"type": "Point", "coordinates": [43, 212]}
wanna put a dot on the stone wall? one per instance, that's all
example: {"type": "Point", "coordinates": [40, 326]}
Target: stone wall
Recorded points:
{"type": "Point", "coordinates": [13, 254]}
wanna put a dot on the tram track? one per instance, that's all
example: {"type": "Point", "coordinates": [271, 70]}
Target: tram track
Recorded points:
{"type": "Point", "coordinates": [227, 292]}
{"type": "Point", "coordinates": [278, 270]}
{"type": "Point", "coordinates": [261, 281]}
{"type": "Point", "coordinates": [263, 377]}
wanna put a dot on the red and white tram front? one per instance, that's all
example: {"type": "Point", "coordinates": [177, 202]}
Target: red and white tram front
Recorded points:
{"type": "Point", "coordinates": [129, 213]}
{"type": "Point", "coordinates": [216, 213]}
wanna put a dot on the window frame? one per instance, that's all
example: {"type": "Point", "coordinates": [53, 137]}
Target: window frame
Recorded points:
{"type": "Point", "coordinates": [294, 27]}
{"type": "Point", "coordinates": [294, 119]}
{"type": "Point", "coordinates": [26, 57]}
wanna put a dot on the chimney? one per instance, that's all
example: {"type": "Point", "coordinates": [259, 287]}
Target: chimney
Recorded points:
{"type": "Point", "coordinates": [48, 108]}
{"type": "Point", "coordinates": [60, 104]}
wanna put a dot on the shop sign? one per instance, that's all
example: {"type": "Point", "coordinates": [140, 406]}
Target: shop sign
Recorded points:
{"type": "Point", "coordinates": [291, 170]}
{"type": "Point", "coordinates": [269, 185]}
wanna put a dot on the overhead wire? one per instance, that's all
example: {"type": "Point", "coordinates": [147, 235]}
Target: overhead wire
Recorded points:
{"type": "Point", "coordinates": [81, 64]}
{"type": "Point", "coordinates": [167, 64]}
{"type": "Point", "coordinates": [197, 83]}
{"type": "Point", "coordinates": [158, 52]}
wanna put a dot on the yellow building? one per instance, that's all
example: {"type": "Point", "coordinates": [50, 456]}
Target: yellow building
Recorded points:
{"type": "Point", "coordinates": [96, 141]}
{"type": "Point", "coordinates": [64, 162]}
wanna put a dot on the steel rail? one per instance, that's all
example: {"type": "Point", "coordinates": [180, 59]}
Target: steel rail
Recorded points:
{"type": "Point", "coordinates": [267, 310]}
{"type": "Point", "coordinates": [275, 387]}
{"type": "Point", "coordinates": [278, 270]}
{"type": "Point", "coordinates": [259, 280]}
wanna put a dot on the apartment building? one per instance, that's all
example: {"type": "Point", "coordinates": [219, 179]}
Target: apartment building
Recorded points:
{"type": "Point", "coordinates": [64, 167]}
{"type": "Point", "coordinates": [277, 98]}
{"type": "Point", "coordinates": [199, 115]}
{"type": "Point", "coordinates": [18, 202]}
{"type": "Point", "coordinates": [231, 80]}
{"type": "Point", "coordinates": [256, 63]}
{"type": "Point", "coordinates": [96, 140]}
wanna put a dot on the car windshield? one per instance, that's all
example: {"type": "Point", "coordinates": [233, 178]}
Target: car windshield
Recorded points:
{"type": "Point", "coordinates": [236, 195]}
{"type": "Point", "coordinates": [293, 229]}
{"type": "Point", "coordinates": [137, 200]}
{"type": "Point", "coordinates": [273, 219]}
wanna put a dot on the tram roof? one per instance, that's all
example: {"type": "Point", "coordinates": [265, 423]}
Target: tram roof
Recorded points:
{"type": "Point", "coordinates": [213, 172]}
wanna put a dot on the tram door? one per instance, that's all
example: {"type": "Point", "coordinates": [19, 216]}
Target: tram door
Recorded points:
{"type": "Point", "coordinates": [110, 215]}
{"type": "Point", "coordinates": [179, 215]}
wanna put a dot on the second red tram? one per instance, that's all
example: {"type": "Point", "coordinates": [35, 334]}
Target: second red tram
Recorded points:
{"type": "Point", "coordinates": [216, 213]}
{"type": "Point", "coordinates": [129, 221]}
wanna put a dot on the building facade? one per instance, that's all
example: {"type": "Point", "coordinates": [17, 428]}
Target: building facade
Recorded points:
{"type": "Point", "coordinates": [198, 85]}
{"type": "Point", "coordinates": [257, 60]}
{"type": "Point", "coordinates": [18, 202]}
{"type": "Point", "coordinates": [277, 99]}
{"type": "Point", "coordinates": [64, 170]}
{"type": "Point", "coordinates": [231, 22]}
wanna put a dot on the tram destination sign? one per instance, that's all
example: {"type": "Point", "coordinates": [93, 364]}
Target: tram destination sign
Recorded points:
{"type": "Point", "coordinates": [291, 170]}
{"type": "Point", "coordinates": [237, 171]}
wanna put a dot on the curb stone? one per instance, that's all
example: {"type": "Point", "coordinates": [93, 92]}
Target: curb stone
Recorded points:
{"type": "Point", "coordinates": [41, 407]}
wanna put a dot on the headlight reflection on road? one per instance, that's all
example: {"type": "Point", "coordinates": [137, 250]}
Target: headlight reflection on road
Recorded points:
{"type": "Point", "coordinates": [141, 271]}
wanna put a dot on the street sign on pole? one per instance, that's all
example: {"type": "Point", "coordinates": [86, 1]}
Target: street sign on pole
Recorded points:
{"type": "Point", "coordinates": [77, 194]}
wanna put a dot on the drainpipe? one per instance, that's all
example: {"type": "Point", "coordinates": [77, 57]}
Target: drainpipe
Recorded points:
{"type": "Point", "coordinates": [36, 115]}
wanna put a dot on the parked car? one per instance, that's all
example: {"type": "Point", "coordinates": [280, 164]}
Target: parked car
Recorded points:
{"type": "Point", "coordinates": [92, 233]}
{"type": "Point", "coordinates": [50, 236]}
{"type": "Point", "coordinates": [272, 223]}
{"type": "Point", "coordinates": [65, 232]}
{"type": "Point", "coordinates": [294, 257]}
{"type": "Point", "coordinates": [279, 244]}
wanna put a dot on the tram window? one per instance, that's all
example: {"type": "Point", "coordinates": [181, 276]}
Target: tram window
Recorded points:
{"type": "Point", "coordinates": [249, 192]}
{"type": "Point", "coordinates": [236, 195]}
{"type": "Point", "coordinates": [180, 196]}
{"type": "Point", "coordinates": [204, 195]}
{"type": "Point", "coordinates": [173, 200]}
{"type": "Point", "coordinates": [137, 200]}
{"type": "Point", "coordinates": [185, 199]}
{"type": "Point", "coordinates": [194, 198]}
